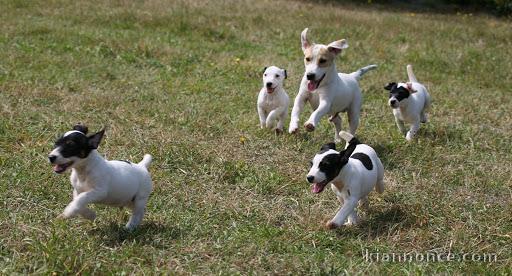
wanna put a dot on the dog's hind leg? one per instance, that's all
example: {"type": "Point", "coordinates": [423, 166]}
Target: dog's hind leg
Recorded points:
{"type": "Point", "coordinates": [138, 209]}
{"type": "Point", "coordinates": [336, 120]}
{"type": "Point", "coordinates": [353, 117]}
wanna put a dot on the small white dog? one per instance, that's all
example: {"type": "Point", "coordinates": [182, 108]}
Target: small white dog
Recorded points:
{"type": "Point", "coordinates": [273, 101]}
{"type": "Point", "coordinates": [409, 101]}
{"type": "Point", "coordinates": [353, 173]}
{"type": "Point", "coordinates": [96, 180]}
{"type": "Point", "coordinates": [327, 91]}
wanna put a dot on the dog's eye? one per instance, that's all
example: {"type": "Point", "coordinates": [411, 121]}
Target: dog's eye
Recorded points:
{"type": "Point", "coordinates": [277, 76]}
{"type": "Point", "coordinates": [308, 59]}
{"type": "Point", "coordinates": [264, 75]}
{"type": "Point", "coordinates": [322, 60]}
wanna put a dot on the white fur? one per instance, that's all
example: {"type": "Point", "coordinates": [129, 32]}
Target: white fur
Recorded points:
{"type": "Point", "coordinates": [116, 183]}
{"type": "Point", "coordinates": [337, 92]}
{"type": "Point", "coordinates": [273, 106]}
{"type": "Point", "coordinates": [353, 183]}
{"type": "Point", "coordinates": [412, 110]}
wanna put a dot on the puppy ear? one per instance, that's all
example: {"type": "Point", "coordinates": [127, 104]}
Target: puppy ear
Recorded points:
{"type": "Point", "coordinates": [304, 40]}
{"type": "Point", "coordinates": [80, 127]}
{"type": "Point", "coordinates": [285, 74]}
{"type": "Point", "coordinates": [337, 46]}
{"type": "Point", "coordinates": [328, 146]}
{"type": "Point", "coordinates": [264, 69]}
{"type": "Point", "coordinates": [95, 139]}
{"type": "Point", "coordinates": [389, 86]}
{"type": "Point", "coordinates": [409, 87]}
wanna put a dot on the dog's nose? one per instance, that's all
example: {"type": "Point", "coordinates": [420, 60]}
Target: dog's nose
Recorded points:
{"type": "Point", "coordinates": [52, 158]}
{"type": "Point", "coordinates": [392, 102]}
{"type": "Point", "coordinates": [310, 178]}
{"type": "Point", "coordinates": [310, 76]}
{"type": "Point", "coordinates": [269, 84]}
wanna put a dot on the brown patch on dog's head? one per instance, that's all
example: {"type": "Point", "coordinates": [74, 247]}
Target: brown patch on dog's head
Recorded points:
{"type": "Point", "coordinates": [325, 57]}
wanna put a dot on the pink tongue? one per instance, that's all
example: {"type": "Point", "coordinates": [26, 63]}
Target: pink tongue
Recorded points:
{"type": "Point", "coordinates": [316, 188]}
{"type": "Point", "coordinates": [57, 168]}
{"type": "Point", "coordinates": [311, 85]}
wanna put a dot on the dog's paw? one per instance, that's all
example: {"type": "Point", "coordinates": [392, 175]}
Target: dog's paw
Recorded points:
{"type": "Point", "coordinates": [293, 130]}
{"type": "Point", "coordinates": [309, 127]}
{"type": "Point", "coordinates": [409, 136]}
{"type": "Point", "coordinates": [278, 131]}
{"type": "Point", "coordinates": [331, 225]}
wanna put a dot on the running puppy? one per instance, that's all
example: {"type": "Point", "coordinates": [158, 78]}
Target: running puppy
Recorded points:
{"type": "Point", "coordinates": [96, 180]}
{"type": "Point", "coordinates": [409, 101]}
{"type": "Point", "coordinates": [273, 100]}
{"type": "Point", "coordinates": [326, 90]}
{"type": "Point", "coordinates": [353, 174]}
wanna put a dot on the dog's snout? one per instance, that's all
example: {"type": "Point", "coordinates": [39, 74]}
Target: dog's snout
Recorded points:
{"type": "Point", "coordinates": [392, 102]}
{"type": "Point", "coordinates": [310, 76]}
{"type": "Point", "coordinates": [310, 178]}
{"type": "Point", "coordinates": [52, 158]}
{"type": "Point", "coordinates": [269, 84]}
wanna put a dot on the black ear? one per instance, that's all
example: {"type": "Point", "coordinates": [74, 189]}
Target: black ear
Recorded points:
{"type": "Point", "coordinates": [95, 139]}
{"type": "Point", "coordinates": [285, 74]}
{"type": "Point", "coordinates": [81, 128]}
{"type": "Point", "coordinates": [328, 146]}
{"type": "Point", "coordinates": [390, 85]}
{"type": "Point", "coordinates": [264, 68]}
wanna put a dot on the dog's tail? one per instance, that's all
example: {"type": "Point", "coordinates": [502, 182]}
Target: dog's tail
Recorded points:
{"type": "Point", "coordinates": [410, 74]}
{"type": "Point", "coordinates": [359, 73]}
{"type": "Point", "coordinates": [349, 138]}
{"type": "Point", "coordinates": [146, 161]}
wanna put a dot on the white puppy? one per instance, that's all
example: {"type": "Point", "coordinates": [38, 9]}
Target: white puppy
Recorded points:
{"type": "Point", "coordinates": [273, 100]}
{"type": "Point", "coordinates": [353, 173]}
{"type": "Point", "coordinates": [327, 91]}
{"type": "Point", "coordinates": [96, 180]}
{"type": "Point", "coordinates": [409, 101]}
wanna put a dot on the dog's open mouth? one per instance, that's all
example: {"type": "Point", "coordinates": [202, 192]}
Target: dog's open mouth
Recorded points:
{"type": "Point", "coordinates": [313, 84]}
{"type": "Point", "coordinates": [270, 90]}
{"type": "Point", "coordinates": [60, 168]}
{"type": "Point", "coordinates": [317, 188]}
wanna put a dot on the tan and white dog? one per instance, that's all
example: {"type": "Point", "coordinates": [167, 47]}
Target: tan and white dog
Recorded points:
{"type": "Point", "coordinates": [327, 91]}
{"type": "Point", "coordinates": [273, 101]}
{"type": "Point", "coordinates": [409, 101]}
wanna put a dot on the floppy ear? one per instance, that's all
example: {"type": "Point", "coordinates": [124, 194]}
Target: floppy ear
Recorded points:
{"type": "Point", "coordinates": [409, 87]}
{"type": "Point", "coordinates": [389, 86]}
{"type": "Point", "coordinates": [337, 46]}
{"type": "Point", "coordinates": [81, 128]}
{"type": "Point", "coordinates": [328, 146]}
{"type": "Point", "coordinates": [304, 40]}
{"type": "Point", "coordinates": [285, 74]}
{"type": "Point", "coordinates": [264, 69]}
{"type": "Point", "coordinates": [95, 139]}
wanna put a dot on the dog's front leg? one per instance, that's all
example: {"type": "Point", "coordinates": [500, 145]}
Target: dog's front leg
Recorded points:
{"type": "Point", "coordinates": [347, 208]}
{"type": "Point", "coordinates": [315, 117]}
{"type": "Point", "coordinates": [263, 117]}
{"type": "Point", "coordinates": [273, 116]}
{"type": "Point", "coordinates": [400, 125]}
{"type": "Point", "coordinates": [79, 204]}
{"type": "Point", "coordinates": [414, 129]}
{"type": "Point", "coordinates": [298, 106]}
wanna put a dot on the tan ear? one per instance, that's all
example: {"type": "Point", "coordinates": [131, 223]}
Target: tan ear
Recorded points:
{"type": "Point", "coordinates": [409, 87]}
{"type": "Point", "coordinates": [304, 40]}
{"type": "Point", "coordinates": [337, 46]}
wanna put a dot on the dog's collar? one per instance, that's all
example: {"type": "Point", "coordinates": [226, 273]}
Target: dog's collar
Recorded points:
{"type": "Point", "coordinates": [71, 132]}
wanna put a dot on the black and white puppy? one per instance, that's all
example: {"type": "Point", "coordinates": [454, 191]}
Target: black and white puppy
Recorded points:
{"type": "Point", "coordinates": [353, 173]}
{"type": "Point", "coordinates": [409, 101]}
{"type": "Point", "coordinates": [97, 180]}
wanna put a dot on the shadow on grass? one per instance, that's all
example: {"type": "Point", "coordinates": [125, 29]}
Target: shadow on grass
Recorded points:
{"type": "Point", "coordinates": [148, 233]}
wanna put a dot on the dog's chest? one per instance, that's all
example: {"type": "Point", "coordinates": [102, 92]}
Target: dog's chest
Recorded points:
{"type": "Point", "coordinates": [81, 183]}
{"type": "Point", "coordinates": [270, 102]}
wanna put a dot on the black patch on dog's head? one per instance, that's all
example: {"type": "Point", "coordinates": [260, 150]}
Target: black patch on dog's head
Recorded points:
{"type": "Point", "coordinates": [364, 158]}
{"type": "Point", "coordinates": [264, 69]}
{"type": "Point", "coordinates": [332, 164]}
{"type": "Point", "coordinates": [77, 144]}
{"type": "Point", "coordinates": [327, 147]}
{"type": "Point", "coordinates": [399, 93]}
{"type": "Point", "coordinates": [285, 74]}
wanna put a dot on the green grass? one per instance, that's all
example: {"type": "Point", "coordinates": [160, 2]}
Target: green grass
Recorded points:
{"type": "Point", "coordinates": [179, 80]}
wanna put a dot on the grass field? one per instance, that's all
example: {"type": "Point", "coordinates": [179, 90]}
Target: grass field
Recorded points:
{"type": "Point", "coordinates": [179, 80]}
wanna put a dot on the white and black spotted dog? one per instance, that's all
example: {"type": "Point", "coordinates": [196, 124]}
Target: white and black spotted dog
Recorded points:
{"type": "Point", "coordinates": [409, 101]}
{"type": "Point", "coordinates": [272, 100]}
{"type": "Point", "coordinates": [353, 174]}
{"type": "Point", "coordinates": [97, 180]}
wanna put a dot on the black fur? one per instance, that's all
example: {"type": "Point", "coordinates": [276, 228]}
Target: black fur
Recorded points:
{"type": "Point", "coordinates": [81, 128]}
{"type": "Point", "coordinates": [285, 74]}
{"type": "Point", "coordinates": [399, 93]}
{"type": "Point", "coordinates": [78, 144]}
{"type": "Point", "coordinates": [126, 161]}
{"type": "Point", "coordinates": [365, 159]}
{"type": "Point", "coordinates": [332, 164]}
{"type": "Point", "coordinates": [264, 68]}
{"type": "Point", "coordinates": [327, 147]}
